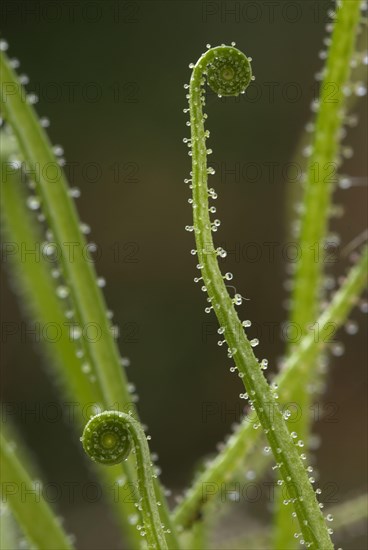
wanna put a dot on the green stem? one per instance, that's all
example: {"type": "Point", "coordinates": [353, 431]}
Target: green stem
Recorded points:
{"type": "Point", "coordinates": [155, 534]}
{"type": "Point", "coordinates": [286, 454]}
{"type": "Point", "coordinates": [294, 192]}
{"type": "Point", "coordinates": [316, 206]}
{"type": "Point", "coordinates": [108, 438]}
{"type": "Point", "coordinates": [243, 440]}
{"type": "Point", "coordinates": [62, 218]}
{"type": "Point", "coordinates": [10, 532]}
{"type": "Point", "coordinates": [344, 515]}
{"type": "Point", "coordinates": [27, 503]}
{"type": "Point", "coordinates": [34, 283]}
{"type": "Point", "coordinates": [37, 292]}
{"type": "Point", "coordinates": [325, 154]}
{"type": "Point", "coordinates": [78, 272]}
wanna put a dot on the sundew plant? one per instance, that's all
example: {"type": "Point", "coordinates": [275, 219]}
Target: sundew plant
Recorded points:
{"type": "Point", "coordinates": [274, 438]}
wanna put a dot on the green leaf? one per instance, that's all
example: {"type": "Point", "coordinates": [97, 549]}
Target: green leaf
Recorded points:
{"type": "Point", "coordinates": [324, 160]}
{"type": "Point", "coordinates": [245, 437]}
{"type": "Point", "coordinates": [261, 396]}
{"type": "Point", "coordinates": [79, 275]}
{"type": "Point", "coordinates": [24, 496]}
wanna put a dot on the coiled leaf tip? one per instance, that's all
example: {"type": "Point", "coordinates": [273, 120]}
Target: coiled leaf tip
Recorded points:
{"type": "Point", "coordinates": [229, 72]}
{"type": "Point", "coordinates": [106, 438]}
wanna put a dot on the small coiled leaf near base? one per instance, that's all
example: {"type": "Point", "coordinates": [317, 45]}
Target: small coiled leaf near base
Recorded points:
{"type": "Point", "coordinates": [106, 438]}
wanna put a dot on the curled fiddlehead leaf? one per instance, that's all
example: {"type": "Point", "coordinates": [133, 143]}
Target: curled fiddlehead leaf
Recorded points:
{"type": "Point", "coordinates": [228, 72]}
{"type": "Point", "coordinates": [108, 438]}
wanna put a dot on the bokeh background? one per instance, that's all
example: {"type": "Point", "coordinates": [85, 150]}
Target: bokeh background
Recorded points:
{"type": "Point", "coordinates": [110, 76]}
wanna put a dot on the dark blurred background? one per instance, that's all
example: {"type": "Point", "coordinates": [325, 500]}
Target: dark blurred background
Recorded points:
{"type": "Point", "coordinates": [110, 76]}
